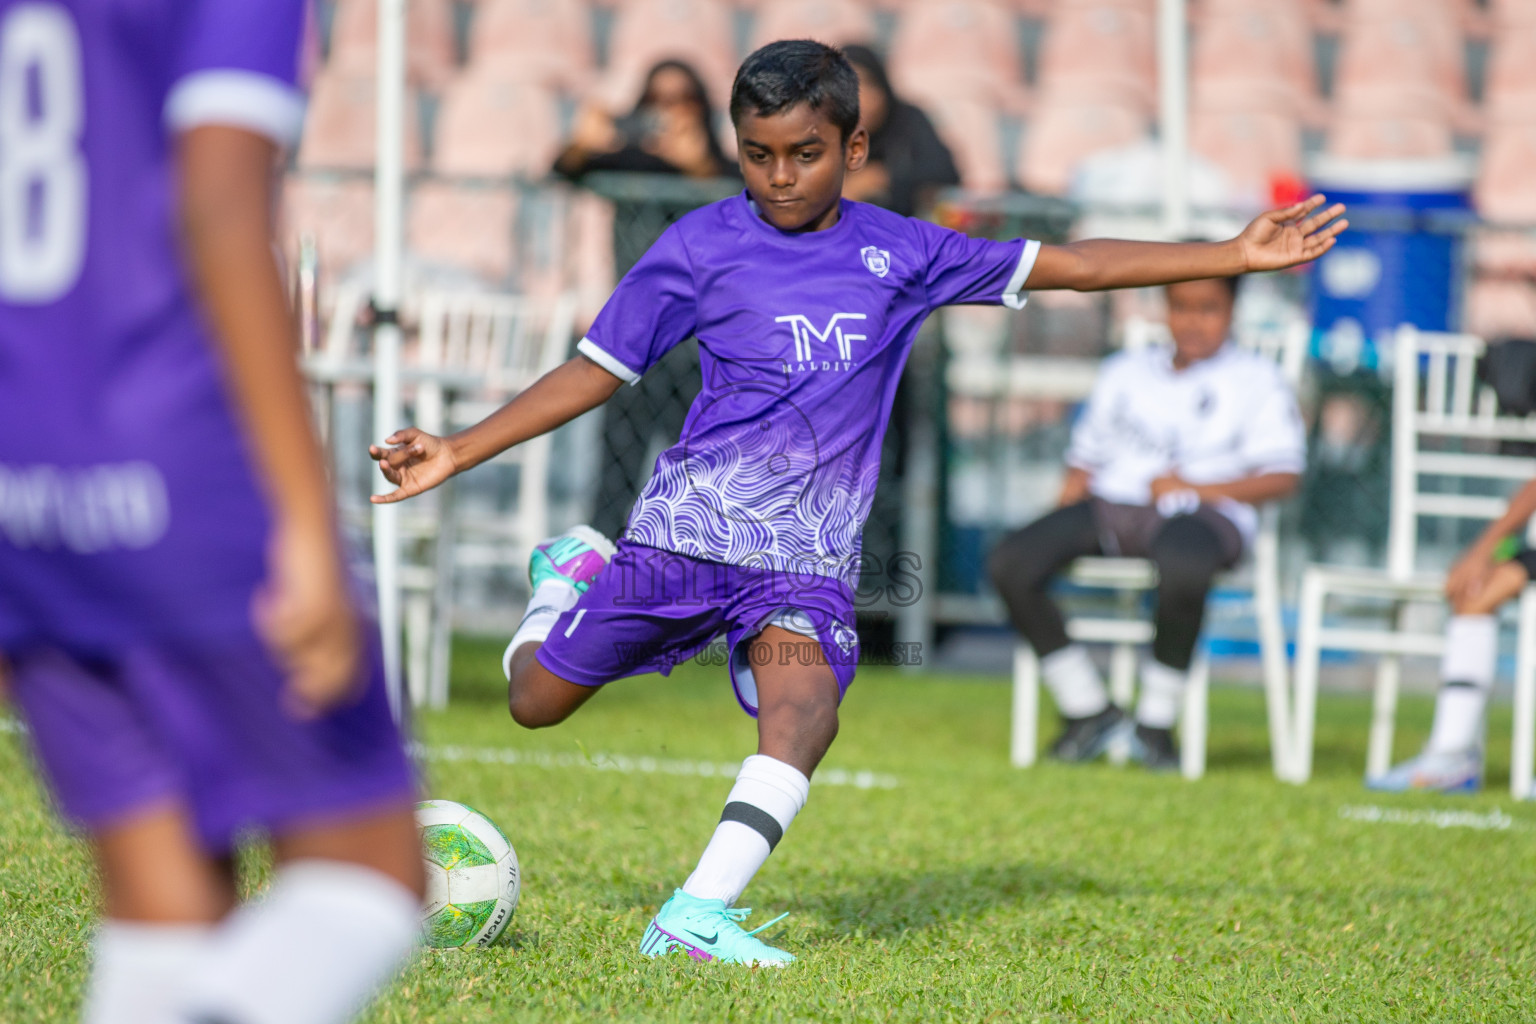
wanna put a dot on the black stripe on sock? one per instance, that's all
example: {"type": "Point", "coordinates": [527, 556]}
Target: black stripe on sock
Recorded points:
{"type": "Point", "coordinates": [755, 818]}
{"type": "Point", "coordinates": [1460, 684]}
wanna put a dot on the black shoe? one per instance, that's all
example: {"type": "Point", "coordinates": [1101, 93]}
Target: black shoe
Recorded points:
{"type": "Point", "coordinates": [1155, 749]}
{"type": "Point", "coordinates": [1083, 739]}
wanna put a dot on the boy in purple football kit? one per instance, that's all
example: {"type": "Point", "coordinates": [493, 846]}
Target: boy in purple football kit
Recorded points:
{"type": "Point", "coordinates": [174, 608]}
{"type": "Point", "coordinates": [805, 306]}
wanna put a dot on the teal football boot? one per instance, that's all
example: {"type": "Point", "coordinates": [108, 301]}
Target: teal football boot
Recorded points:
{"type": "Point", "coordinates": [709, 930]}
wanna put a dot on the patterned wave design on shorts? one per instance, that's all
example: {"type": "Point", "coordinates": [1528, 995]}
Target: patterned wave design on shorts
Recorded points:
{"type": "Point", "coordinates": [760, 498]}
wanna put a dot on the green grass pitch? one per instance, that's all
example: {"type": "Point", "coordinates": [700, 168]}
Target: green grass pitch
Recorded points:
{"type": "Point", "coordinates": [967, 892]}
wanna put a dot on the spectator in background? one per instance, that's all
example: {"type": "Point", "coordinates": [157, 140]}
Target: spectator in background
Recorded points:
{"type": "Point", "coordinates": [907, 160]}
{"type": "Point", "coordinates": [670, 131]}
{"type": "Point", "coordinates": [1169, 460]}
{"type": "Point", "coordinates": [907, 164]}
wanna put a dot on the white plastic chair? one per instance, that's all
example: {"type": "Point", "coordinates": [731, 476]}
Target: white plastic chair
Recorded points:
{"type": "Point", "coordinates": [503, 343]}
{"type": "Point", "coordinates": [1131, 577]}
{"type": "Point", "coordinates": [1445, 402]}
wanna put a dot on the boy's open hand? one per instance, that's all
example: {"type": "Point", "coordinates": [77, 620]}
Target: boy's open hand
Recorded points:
{"type": "Point", "coordinates": [418, 462]}
{"type": "Point", "coordinates": [1284, 238]}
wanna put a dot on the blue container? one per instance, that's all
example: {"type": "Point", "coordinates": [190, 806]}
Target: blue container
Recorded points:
{"type": "Point", "coordinates": [1399, 262]}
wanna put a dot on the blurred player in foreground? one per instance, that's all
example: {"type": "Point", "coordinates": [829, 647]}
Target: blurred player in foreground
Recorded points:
{"type": "Point", "coordinates": [1172, 453]}
{"type": "Point", "coordinates": [174, 606]}
{"type": "Point", "coordinates": [805, 306]}
{"type": "Point", "coordinates": [1492, 571]}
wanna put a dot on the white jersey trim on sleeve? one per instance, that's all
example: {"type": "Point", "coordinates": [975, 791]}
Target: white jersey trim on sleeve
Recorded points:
{"type": "Point", "coordinates": [238, 99]}
{"type": "Point", "coordinates": [590, 349]}
{"type": "Point", "coordinates": [1014, 296]}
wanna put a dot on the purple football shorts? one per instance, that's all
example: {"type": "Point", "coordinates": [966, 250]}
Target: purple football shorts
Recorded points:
{"type": "Point", "coordinates": [202, 722]}
{"type": "Point", "coordinates": [651, 609]}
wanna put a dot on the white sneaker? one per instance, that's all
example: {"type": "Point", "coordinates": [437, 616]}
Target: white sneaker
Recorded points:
{"type": "Point", "coordinates": [1457, 772]}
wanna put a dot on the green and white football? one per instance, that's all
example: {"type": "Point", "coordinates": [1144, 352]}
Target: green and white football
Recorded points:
{"type": "Point", "coordinates": [472, 878]}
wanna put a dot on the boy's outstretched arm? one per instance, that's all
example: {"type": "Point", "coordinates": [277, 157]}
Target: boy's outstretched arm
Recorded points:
{"type": "Point", "coordinates": [304, 612]}
{"type": "Point", "coordinates": [1274, 241]}
{"type": "Point", "coordinates": [419, 461]}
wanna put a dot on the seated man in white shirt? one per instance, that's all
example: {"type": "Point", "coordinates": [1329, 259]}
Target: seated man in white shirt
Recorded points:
{"type": "Point", "coordinates": [1167, 461]}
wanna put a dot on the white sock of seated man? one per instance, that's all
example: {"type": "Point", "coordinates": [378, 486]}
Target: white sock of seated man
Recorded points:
{"type": "Point", "coordinates": [1074, 682]}
{"type": "Point", "coordinates": [1162, 691]}
{"type": "Point", "coordinates": [766, 797]}
{"type": "Point", "coordinates": [1466, 679]}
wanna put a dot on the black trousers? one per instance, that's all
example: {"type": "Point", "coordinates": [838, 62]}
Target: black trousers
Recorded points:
{"type": "Point", "coordinates": [1188, 551]}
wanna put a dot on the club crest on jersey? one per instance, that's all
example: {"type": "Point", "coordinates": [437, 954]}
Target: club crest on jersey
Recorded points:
{"type": "Point", "coordinates": [877, 261]}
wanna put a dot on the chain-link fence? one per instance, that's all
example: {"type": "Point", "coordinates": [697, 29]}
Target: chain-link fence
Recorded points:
{"type": "Point", "coordinates": [640, 422]}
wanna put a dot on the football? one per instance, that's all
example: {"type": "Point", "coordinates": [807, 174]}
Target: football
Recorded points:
{"type": "Point", "coordinates": [472, 876]}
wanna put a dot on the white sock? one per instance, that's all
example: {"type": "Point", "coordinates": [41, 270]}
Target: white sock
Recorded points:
{"type": "Point", "coordinates": [1466, 678]}
{"type": "Point", "coordinates": [550, 600]}
{"type": "Point", "coordinates": [767, 796]}
{"type": "Point", "coordinates": [1161, 690]}
{"type": "Point", "coordinates": [139, 971]}
{"type": "Point", "coordinates": [313, 951]}
{"type": "Point", "coordinates": [1074, 681]}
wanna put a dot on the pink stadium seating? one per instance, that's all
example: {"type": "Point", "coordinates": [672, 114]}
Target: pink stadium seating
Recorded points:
{"type": "Point", "coordinates": [546, 41]}
{"type": "Point", "coordinates": [493, 125]}
{"type": "Point", "coordinates": [1506, 187]}
{"type": "Point", "coordinates": [1393, 44]}
{"type": "Point", "coordinates": [1325, 16]}
{"type": "Point", "coordinates": [1508, 13]}
{"type": "Point", "coordinates": [429, 39]}
{"type": "Point", "coordinates": [1147, 8]}
{"type": "Point", "coordinates": [830, 21]}
{"type": "Point", "coordinates": [957, 48]}
{"type": "Point", "coordinates": [462, 226]}
{"type": "Point", "coordinates": [1501, 307]}
{"type": "Point", "coordinates": [1390, 123]}
{"type": "Point", "coordinates": [1253, 44]}
{"type": "Point", "coordinates": [338, 212]}
{"type": "Point", "coordinates": [1510, 91]}
{"type": "Point", "coordinates": [1505, 253]}
{"type": "Point", "coordinates": [647, 31]}
{"type": "Point", "coordinates": [1071, 126]}
{"type": "Point", "coordinates": [1090, 42]}
{"type": "Point", "coordinates": [944, 86]}
{"type": "Point", "coordinates": [1475, 19]}
{"type": "Point", "coordinates": [339, 127]}
{"type": "Point", "coordinates": [970, 130]}
{"type": "Point", "coordinates": [1250, 131]}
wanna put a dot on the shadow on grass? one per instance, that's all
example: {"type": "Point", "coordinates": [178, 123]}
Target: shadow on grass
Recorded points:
{"type": "Point", "coordinates": [884, 906]}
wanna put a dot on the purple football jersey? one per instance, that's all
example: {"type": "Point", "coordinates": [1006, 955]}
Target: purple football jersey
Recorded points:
{"type": "Point", "coordinates": [128, 503]}
{"type": "Point", "coordinates": [802, 339]}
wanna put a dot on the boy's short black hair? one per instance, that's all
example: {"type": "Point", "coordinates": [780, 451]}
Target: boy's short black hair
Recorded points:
{"type": "Point", "coordinates": [792, 71]}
